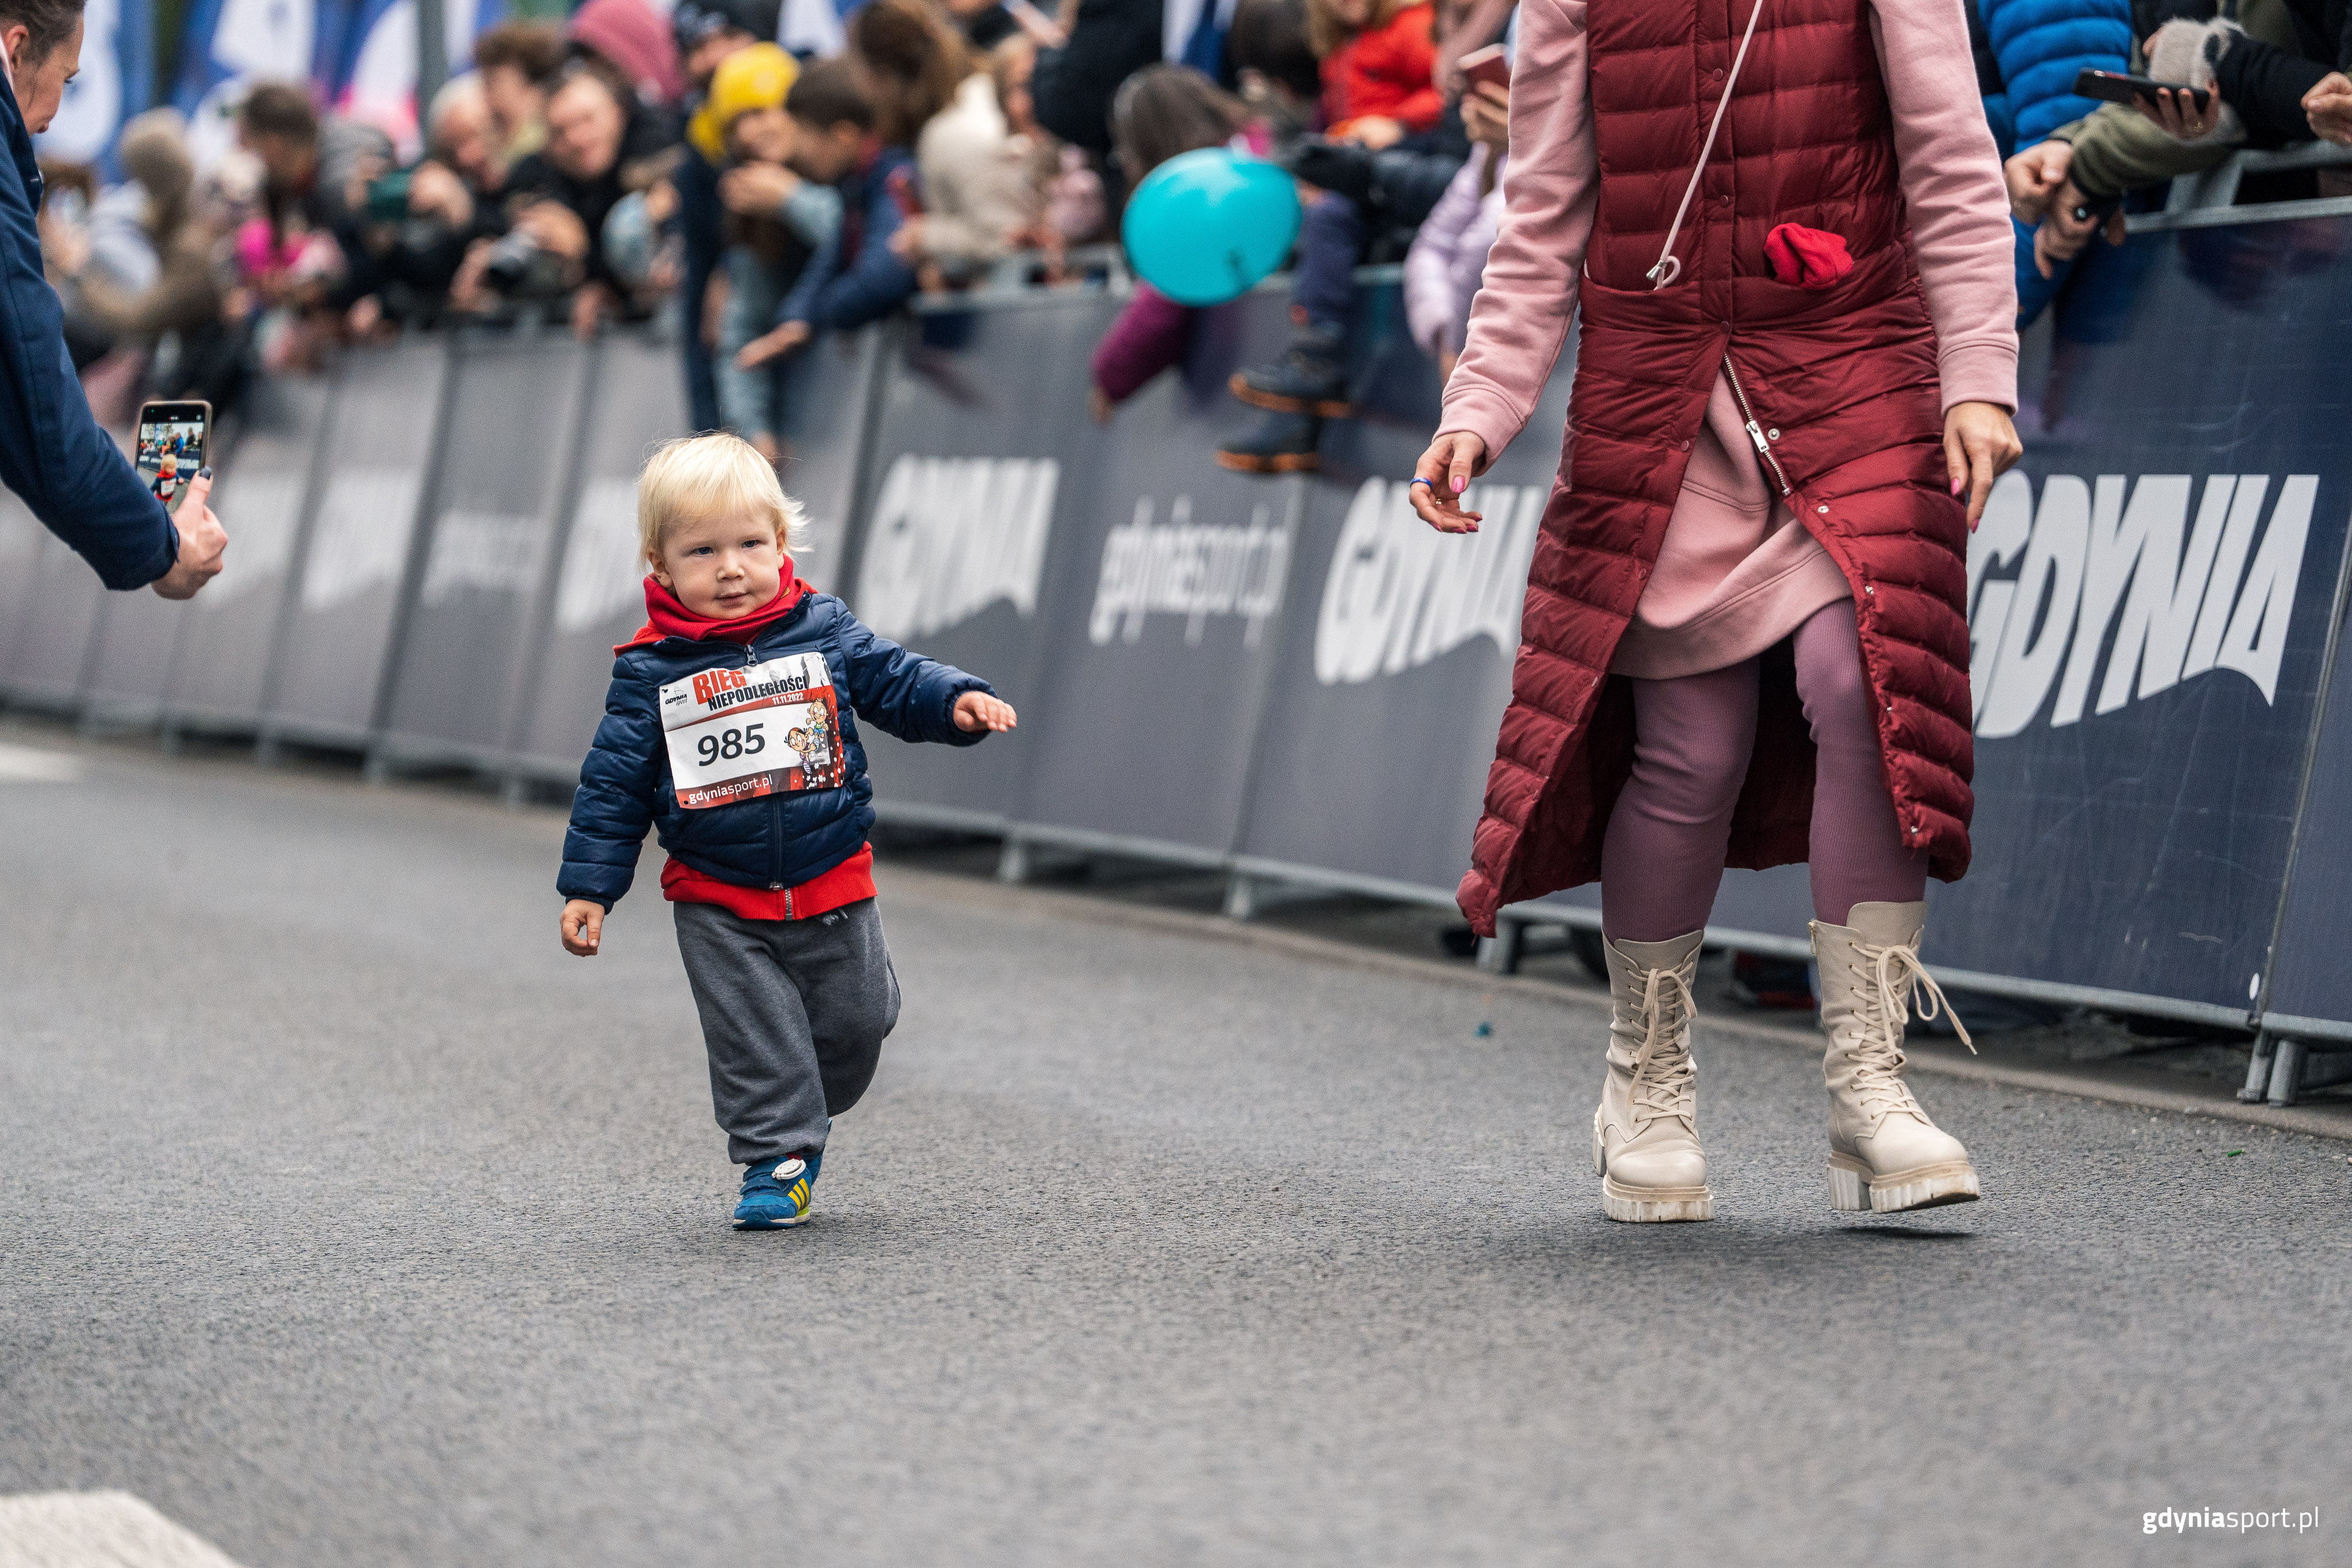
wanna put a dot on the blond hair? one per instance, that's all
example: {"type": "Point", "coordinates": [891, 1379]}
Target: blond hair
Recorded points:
{"type": "Point", "coordinates": [698, 477]}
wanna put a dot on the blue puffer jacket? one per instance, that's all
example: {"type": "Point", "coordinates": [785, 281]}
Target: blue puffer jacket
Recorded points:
{"type": "Point", "coordinates": [2041, 44]}
{"type": "Point", "coordinates": [777, 841]}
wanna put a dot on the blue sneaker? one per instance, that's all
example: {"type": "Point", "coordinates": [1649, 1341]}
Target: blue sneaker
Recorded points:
{"type": "Point", "coordinates": [777, 1193]}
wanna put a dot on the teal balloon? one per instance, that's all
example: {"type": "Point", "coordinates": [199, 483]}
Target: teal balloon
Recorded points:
{"type": "Point", "coordinates": [1206, 226]}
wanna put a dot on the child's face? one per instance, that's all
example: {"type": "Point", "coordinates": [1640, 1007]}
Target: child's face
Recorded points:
{"type": "Point", "coordinates": [826, 153]}
{"type": "Point", "coordinates": [722, 567]}
{"type": "Point", "coordinates": [761, 136]}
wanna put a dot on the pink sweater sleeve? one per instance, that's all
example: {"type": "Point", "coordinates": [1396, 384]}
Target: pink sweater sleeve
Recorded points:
{"type": "Point", "coordinates": [1952, 191]}
{"type": "Point", "coordinates": [1550, 185]}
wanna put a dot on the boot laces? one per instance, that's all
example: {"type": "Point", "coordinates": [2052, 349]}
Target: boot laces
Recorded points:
{"type": "Point", "coordinates": [1893, 974]}
{"type": "Point", "coordinates": [1663, 1070]}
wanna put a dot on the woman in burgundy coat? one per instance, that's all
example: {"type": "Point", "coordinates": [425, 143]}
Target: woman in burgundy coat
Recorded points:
{"type": "Point", "coordinates": [1745, 640]}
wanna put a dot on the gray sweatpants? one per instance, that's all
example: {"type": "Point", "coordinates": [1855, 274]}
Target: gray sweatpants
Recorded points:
{"type": "Point", "coordinates": [794, 1015]}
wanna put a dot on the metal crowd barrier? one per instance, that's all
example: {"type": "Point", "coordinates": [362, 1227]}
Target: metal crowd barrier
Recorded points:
{"type": "Point", "coordinates": [1286, 678]}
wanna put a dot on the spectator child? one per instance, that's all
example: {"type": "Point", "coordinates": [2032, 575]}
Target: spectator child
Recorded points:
{"type": "Point", "coordinates": [1395, 147]}
{"type": "Point", "coordinates": [762, 802]}
{"type": "Point", "coordinates": [776, 223]}
{"type": "Point", "coordinates": [1163, 110]}
{"type": "Point", "coordinates": [857, 277]}
{"type": "Point", "coordinates": [706, 32]}
{"type": "Point", "coordinates": [1380, 61]}
{"type": "Point", "coordinates": [1449, 252]}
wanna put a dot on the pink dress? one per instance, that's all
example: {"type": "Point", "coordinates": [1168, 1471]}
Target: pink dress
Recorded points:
{"type": "Point", "coordinates": [1735, 574]}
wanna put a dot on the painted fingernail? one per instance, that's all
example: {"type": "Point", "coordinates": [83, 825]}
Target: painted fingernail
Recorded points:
{"type": "Point", "coordinates": [1459, 484]}
{"type": "Point", "coordinates": [1956, 487]}
{"type": "Point", "coordinates": [204, 473]}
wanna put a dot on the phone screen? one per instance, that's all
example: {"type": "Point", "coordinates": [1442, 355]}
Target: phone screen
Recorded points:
{"type": "Point", "coordinates": [171, 441]}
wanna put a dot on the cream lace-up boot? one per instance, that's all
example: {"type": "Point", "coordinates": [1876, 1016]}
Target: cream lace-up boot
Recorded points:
{"type": "Point", "coordinates": [1884, 1154]}
{"type": "Point", "coordinates": [1645, 1135]}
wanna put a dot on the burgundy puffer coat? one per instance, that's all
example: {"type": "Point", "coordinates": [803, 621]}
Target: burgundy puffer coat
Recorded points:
{"type": "Point", "coordinates": [1843, 380]}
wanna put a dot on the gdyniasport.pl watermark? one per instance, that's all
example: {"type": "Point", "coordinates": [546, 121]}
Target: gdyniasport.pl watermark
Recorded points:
{"type": "Point", "coordinates": [2181, 1520]}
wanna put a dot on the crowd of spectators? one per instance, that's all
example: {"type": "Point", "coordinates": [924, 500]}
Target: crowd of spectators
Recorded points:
{"type": "Point", "coordinates": [626, 163]}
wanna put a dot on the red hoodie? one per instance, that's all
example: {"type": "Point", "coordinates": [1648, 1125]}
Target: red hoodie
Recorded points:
{"type": "Point", "coordinates": [847, 883]}
{"type": "Point", "coordinates": [1385, 71]}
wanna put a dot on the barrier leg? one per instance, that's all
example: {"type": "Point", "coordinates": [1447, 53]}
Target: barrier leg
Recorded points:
{"type": "Point", "coordinates": [268, 751]}
{"type": "Point", "coordinates": [1241, 897]}
{"type": "Point", "coordinates": [1014, 863]}
{"type": "Point", "coordinates": [1499, 954]}
{"type": "Point", "coordinates": [514, 794]}
{"type": "Point", "coordinates": [2286, 1074]}
{"type": "Point", "coordinates": [2258, 1071]}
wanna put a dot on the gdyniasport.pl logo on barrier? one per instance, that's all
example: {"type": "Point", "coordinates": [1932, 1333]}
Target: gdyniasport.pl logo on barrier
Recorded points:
{"type": "Point", "coordinates": [2181, 1520]}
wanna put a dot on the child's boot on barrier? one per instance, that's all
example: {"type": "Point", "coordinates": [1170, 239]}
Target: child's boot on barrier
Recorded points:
{"type": "Point", "coordinates": [1885, 1154]}
{"type": "Point", "coordinates": [1645, 1135]}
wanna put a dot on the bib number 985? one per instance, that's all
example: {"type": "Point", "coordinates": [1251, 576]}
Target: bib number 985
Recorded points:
{"type": "Point", "coordinates": [729, 744]}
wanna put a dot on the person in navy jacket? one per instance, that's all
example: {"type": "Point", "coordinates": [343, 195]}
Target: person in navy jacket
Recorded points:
{"type": "Point", "coordinates": [53, 453]}
{"type": "Point", "coordinates": [731, 730]}
{"type": "Point", "coordinates": [857, 277]}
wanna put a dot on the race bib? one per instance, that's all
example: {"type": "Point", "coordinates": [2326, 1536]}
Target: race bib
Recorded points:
{"type": "Point", "coordinates": [737, 735]}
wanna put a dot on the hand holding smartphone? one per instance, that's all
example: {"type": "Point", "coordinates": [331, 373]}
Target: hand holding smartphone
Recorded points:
{"type": "Point", "coordinates": [174, 441]}
{"type": "Point", "coordinates": [2115, 87]}
{"type": "Point", "coordinates": [1490, 64]}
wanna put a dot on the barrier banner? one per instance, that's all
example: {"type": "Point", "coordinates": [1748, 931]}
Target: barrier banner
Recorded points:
{"type": "Point", "coordinates": [2311, 977]}
{"type": "Point", "coordinates": [1396, 655]}
{"type": "Point", "coordinates": [827, 390]}
{"type": "Point", "coordinates": [266, 483]}
{"type": "Point", "coordinates": [50, 633]}
{"type": "Point", "coordinates": [600, 598]}
{"type": "Point", "coordinates": [353, 556]}
{"type": "Point", "coordinates": [980, 458]}
{"type": "Point", "coordinates": [2151, 594]}
{"type": "Point", "coordinates": [21, 539]}
{"type": "Point", "coordinates": [501, 495]}
{"type": "Point", "coordinates": [1164, 612]}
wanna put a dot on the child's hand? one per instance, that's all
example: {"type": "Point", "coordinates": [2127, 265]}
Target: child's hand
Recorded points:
{"type": "Point", "coordinates": [976, 711]}
{"type": "Point", "coordinates": [583, 927]}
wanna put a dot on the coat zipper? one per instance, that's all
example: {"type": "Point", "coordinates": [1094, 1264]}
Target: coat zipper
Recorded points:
{"type": "Point", "coordinates": [1755, 431]}
{"type": "Point", "coordinates": [775, 815]}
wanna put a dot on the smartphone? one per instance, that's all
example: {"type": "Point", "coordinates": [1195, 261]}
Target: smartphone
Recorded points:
{"type": "Point", "coordinates": [2114, 86]}
{"type": "Point", "coordinates": [387, 197]}
{"type": "Point", "coordinates": [1491, 63]}
{"type": "Point", "coordinates": [174, 441]}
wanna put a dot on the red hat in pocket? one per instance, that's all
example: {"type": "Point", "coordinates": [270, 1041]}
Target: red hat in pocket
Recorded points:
{"type": "Point", "coordinates": [1810, 258]}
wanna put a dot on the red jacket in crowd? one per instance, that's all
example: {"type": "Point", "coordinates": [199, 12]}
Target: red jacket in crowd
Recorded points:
{"type": "Point", "coordinates": [1385, 71]}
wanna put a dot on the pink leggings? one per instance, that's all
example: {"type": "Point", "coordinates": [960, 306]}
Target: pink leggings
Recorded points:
{"type": "Point", "coordinates": [1663, 858]}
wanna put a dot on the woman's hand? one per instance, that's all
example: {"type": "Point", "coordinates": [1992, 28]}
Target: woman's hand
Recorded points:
{"type": "Point", "coordinates": [1443, 472]}
{"type": "Point", "coordinates": [1980, 445]}
{"type": "Point", "coordinates": [1487, 115]}
{"type": "Point", "coordinates": [2174, 108]}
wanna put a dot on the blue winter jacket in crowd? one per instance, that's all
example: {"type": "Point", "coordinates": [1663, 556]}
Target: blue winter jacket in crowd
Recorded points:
{"type": "Point", "coordinates": [772, 841]}
{"type": "Point", "coordinates": [52, 453]}
{"type": "Point", "coordinates": [856, 278]}
{"type": "Point", "coordinates": [2039, 46]}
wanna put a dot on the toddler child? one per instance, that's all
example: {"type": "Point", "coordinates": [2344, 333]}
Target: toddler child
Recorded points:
{"type": "Point", "coordinates": [729, 729]}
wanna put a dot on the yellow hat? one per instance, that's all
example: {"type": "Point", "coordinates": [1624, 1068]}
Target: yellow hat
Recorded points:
{"type": "Point", "coordinates": [755, 76]}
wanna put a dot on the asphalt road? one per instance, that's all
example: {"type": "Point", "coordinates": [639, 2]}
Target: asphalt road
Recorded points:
{"type": "Point", "coordinates": [349, 1221]}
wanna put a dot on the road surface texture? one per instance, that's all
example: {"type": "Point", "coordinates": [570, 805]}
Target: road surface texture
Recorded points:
{"type": "Point", "coordinates": [350, 1222]}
